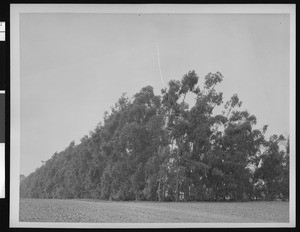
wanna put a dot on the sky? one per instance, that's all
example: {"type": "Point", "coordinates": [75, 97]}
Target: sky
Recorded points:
{"type": "Point", "coordinates": [74, 67]}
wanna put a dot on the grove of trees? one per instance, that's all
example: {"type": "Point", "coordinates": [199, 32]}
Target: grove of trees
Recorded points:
{"type": "Point", "coordinates": [158, 148]}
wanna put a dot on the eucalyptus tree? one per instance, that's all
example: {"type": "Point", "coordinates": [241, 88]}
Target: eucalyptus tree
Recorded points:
{"type": "Point", "coordinates": [158, 147]}
{"type": "Point", "coordinates": [274, 169]}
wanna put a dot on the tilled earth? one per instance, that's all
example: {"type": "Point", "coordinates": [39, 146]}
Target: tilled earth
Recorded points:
{"type": "Point", "coordinates": [58, 210]}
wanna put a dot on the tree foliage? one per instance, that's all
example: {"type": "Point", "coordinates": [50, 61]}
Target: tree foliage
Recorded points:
{"type": "Point", "coordinates": [158, 148]}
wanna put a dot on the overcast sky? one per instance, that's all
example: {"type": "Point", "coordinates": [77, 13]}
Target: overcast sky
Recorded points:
{"type": "Point", "coordinates": [75, 66]}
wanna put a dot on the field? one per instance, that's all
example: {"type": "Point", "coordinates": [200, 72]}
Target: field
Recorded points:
{"type": "Point", "coordinates": [54, 210]}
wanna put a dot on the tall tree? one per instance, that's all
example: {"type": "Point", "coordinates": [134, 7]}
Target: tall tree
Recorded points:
{"type": "Point", "coordinates": [157, 147]}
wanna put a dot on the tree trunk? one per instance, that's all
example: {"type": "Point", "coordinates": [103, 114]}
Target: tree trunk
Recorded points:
{"type": "Point", "coordinates": [137, 195]}
{"type": "Point", "coordinates": [163, 192]}
{"type": "Point", "coordinates": [186, 191]}
{"type": "Point", "coordinates": [177, 187]}
{"type": "Point", "coordinates": [159, 192]}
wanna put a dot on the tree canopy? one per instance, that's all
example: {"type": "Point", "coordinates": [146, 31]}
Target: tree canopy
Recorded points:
{"type": "Point", "coordinates": [158, 148]}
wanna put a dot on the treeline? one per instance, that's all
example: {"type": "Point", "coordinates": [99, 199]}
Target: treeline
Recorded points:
{"type": "Point", "coordinates": [156, 147]}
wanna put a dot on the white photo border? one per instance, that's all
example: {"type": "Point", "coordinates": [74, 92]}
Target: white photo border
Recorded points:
{"type": "Point", "coordinates": [17, 9]}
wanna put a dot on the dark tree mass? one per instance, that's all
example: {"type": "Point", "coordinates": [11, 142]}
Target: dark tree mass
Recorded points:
{"type": "Point", "coordinates": [158, 148]}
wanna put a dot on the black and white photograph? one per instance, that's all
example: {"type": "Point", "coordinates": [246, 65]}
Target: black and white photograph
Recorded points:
{"type": "Point", "coordinates": [152, 116]}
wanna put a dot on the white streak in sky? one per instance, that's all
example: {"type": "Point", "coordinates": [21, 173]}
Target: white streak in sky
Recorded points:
{"type": "Point", "coordinates": [157, 52]}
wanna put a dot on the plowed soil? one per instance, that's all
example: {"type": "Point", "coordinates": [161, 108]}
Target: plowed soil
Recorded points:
{"type": "Point", "coordinates": [59, 210]}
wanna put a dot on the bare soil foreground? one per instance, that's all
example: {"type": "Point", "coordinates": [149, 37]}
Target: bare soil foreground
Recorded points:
{"type": "Point", "coordinates": [54, 210]}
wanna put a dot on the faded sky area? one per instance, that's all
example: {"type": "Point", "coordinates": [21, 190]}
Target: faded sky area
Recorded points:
{"type": "Point", "coordinates": [75, 66]}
